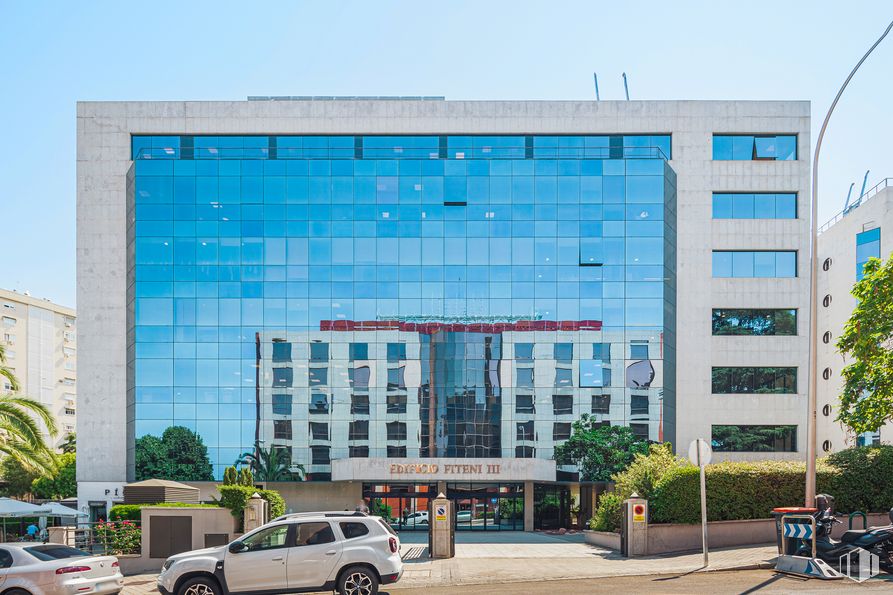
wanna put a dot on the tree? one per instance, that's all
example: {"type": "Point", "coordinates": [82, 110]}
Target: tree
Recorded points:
{"type": "Point", "coordinates": [61, 484]}
{"type": "Point", "coordinates": [271, 464]}
{"type": "Point", "coordinates": [70, 445]}
{"type": "Point", "coordinates": [179, 455]}
{"type": "Point", "coordinates": [599, 451]}
{"type": "Point", "coordinates": [17, 477]}
{"type": "Point", "coordinates": [866, 402]}
{"type": "Point", "coordinates": [20, 434]}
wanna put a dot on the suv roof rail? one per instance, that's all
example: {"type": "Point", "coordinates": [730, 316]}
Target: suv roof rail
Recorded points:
{"type": "Point", "coordinates": [325, 513]}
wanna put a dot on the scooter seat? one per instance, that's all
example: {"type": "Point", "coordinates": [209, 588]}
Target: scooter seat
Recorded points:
{"type": "Point", "coordinates": [852, 535]}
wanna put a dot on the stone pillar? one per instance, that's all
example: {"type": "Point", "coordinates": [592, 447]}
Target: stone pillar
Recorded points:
{"type": "Point", "coordinates": [441, 487]}
{"type": "Point", "coordinates": [528, 506]}
{"type": "Point", "coordinates": [635, 526]}
{"type": "Point", "coordinates": [256, 512]}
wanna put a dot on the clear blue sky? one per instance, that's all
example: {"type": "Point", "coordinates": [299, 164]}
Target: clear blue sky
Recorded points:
{"type": "Point", "coordinates": [55, 53]}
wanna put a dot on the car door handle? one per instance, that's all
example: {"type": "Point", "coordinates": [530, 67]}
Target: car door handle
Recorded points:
{"type": "Point", "coordinates": [331, 553]}
{"type": "Point", "coordinates": [277, 559]}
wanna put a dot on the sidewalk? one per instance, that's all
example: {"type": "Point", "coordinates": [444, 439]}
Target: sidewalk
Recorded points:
{"type": "Point", "coordinates": [557, 557]}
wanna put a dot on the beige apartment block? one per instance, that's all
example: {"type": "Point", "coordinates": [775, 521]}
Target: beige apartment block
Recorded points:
{"type": "Point", "coordinates": [40, 338]}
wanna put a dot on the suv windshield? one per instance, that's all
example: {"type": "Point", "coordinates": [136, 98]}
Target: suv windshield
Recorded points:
{"type": "Point", "coordinates": [47, 553]}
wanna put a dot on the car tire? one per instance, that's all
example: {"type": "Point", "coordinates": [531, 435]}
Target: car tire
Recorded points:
{"type": "Point", "coordinates": [17, 592]}
{"type": "Point", "coordinates": [358, 580]}
{"type": "Point", "coordinates": [200, 585]}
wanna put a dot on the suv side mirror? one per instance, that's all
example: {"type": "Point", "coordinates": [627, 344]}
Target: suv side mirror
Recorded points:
{"type": "Point", "coordinates": [236, 547]}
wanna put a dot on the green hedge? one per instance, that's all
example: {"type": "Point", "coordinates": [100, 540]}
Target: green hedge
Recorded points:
{"type": "Point", "coordinates": [235, 497]}
{"type": "Point", "coordinates": [131, 512]}
{"type": "Point", "coordinates": [858, 478]}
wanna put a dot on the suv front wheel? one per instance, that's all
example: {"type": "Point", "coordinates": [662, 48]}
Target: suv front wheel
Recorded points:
{"type": "Point", "coordinates": [358, 580]}
{"type": "Point", "coordinates": [200, 586]}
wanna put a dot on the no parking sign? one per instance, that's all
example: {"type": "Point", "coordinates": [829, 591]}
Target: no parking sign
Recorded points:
{"type": "Point", "coordinates": [440, 512]}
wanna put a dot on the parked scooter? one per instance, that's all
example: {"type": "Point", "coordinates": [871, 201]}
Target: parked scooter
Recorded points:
{"type": "Point", "coordinates": [877, 540]}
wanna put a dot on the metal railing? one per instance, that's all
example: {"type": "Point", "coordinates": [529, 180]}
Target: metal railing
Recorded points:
{"type": "Point", "coordinates": [871, 192]}
{"type": "Point", "coordinates": [105, 538]}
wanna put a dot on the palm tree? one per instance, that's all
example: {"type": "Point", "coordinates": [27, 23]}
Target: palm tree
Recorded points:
{"type": "Point", "coordinates": [70, 445]}
{"type": "Point", "coordinates": [271, 464]}
{"type": "Point", "coordinates": [6, 371]}
{"type": "Point", "coordinates": [20, 433]}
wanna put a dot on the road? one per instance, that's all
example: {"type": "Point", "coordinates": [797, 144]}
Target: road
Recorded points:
{"type": "Point", "coordinates": [763, 582]}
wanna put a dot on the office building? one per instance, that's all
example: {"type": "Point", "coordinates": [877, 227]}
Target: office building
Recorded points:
{"type": "Point", "coordinates": [408, 295]}
{"type": "Point", "coordinates": [40, 340]}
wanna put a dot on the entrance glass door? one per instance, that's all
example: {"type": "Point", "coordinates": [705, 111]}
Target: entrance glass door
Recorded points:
{"type": "Point", "coordinates": [487, 507]}
{"type": "Point", "coordinates": [403, 505]}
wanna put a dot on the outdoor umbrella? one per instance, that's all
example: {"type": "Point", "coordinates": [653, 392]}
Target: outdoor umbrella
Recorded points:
{"type": "Point", "coordinates": [56, 509]}
{"type": "Point", "coordinates": [10, 508]}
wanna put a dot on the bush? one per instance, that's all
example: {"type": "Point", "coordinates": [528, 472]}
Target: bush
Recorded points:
{"type": "Point", "coordinates": [235, 497]}
{"type": "Point", "coordinates": [131, 512]}
{"type": "Point", "coordinates": [123, 537]}
{"type": "Point", "coordinates": [860, 478]}
{"type": "Point", "coordinates": [608, 515]}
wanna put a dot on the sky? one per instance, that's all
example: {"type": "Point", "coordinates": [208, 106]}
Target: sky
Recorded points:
{"type": "Point", "coordinates": [53, 54]}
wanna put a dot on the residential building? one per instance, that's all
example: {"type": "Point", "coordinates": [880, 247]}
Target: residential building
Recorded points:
{"type": "Point", "coordinates": [846, 242]}
{"type": "Point", "coordinates": [414, 295]}
{"type": "Point", "coordinates": [40, 339]}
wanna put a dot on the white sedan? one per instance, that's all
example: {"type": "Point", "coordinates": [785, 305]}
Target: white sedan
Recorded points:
{"type": "Point", "coordinates": [54, 569]}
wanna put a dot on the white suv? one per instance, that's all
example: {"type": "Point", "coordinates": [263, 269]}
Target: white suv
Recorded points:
{"type": "Point", "coordinates": [348, 551]}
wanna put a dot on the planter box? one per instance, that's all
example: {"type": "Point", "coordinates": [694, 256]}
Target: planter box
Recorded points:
{"type": "Point", "coordinates": [603, 539]}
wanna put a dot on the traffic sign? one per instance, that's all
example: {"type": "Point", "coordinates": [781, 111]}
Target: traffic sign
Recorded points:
{"type": "Point", "coordinates": [699, 452]}
{"type": "Point", "coordinates": [798, 531]}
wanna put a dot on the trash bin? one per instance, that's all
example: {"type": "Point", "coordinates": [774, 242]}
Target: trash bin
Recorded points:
{"type": "Point", "coordinates": [777, 513]}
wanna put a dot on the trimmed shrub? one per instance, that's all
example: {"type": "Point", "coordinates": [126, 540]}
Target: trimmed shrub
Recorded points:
{"type": "Point", "coordinates": [235, 497]}
{"type": "Point", "coordinates": [131, 512]}
{"type": "Point", "coordinates": [608, 515]}
{"type": "Point", "coordinates": [860, 478]}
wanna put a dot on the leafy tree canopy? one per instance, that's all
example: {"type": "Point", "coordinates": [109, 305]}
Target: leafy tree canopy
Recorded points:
{"type": "Point", "coordinates": [866, 402]}
{"type": "Point", "coordinates": [599, 451]}
{"type": "Point", "coordinates": [17, 477]}
{"type": "Point", "coordinates": [179, 455]}
{"type": "Point", "coordinates": [62, 483]}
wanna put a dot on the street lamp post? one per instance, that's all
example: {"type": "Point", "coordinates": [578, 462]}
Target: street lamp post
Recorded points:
{"type": "Point", "coordinates": [813, 288]}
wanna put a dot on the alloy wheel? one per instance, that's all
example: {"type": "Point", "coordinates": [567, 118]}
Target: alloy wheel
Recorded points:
{"type": "Point", "coordinates": [199, 589]}
{"type": "Point", "coordinates": [358, 583]}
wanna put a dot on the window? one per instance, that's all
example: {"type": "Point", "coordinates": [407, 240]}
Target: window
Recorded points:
{"type": "Point", "coordinates": [743, 380]}
{"type": "Point", "coordinates": [5, 559]}
{"type": "Point", "coordinates": [525, 430]}
{"type": "Point", "coordinates": [640, 430]}
{"type": "Point", "coordinates": [524, 352]}
{"type": "Point", "coordinates": [319, 403]}
{"type": "Point", "coordinates": [281, 351]}
{"type": "Point", "coordinates": [8, 321]}
{"type": "Point", "coordinates": [9, 338]}
{"type": "Point", "coordinates": [319, 455]}
{"type": "Point", "coordinates": [564, 377]}
{"type": "Point", "coordinates": [396, 430]}
{"type": "Point", "coordinates": [762, 147]}
{"type": "Point", "coordinates": [359, 351]}
{"type": "Point", "coordinates": [826, 373]}
{"type": "Point", "coordinates": [638, 405]}
{"type": "Point", "coordinates": [601, 351]}
{"type": "Point", "coordinates": [742, 263]}
{"type": "Point", "coordinates": [353, 530]}
{"type": "Point", "coordinates": [319, 352]}
{"type": "Point", "coordinates": [267, 539]}
{"type": "Point", "coordinates": [358, 430]}
{"type": "Point", "coordinates": [524, 377]}
{"type": "Point", "coordinates": [9, 306]}
{"type": "Point", "coordinates": [68, 351]}
{"type": "Point", "coordinates": [396, 403]}
{"type": "Point", "coordinates": [826, 338]}
{"type": "Point", "coordinates": [561, 430]}
{"type": "Point", "coordinates": [282, 377]}
{"type": "Point", "coordinates": [313, 534]}
{"type": "Point", "coordinates": [754, 206]}
{"type": "Point", "coordinates": [868, 245]}
{"type": "Point", "coordinates": [564, 352]}
{"type": "Point", "coordinates": [396, 352]}
{"type": "Point", "coordinates": [734, 438]}
{"type": "Point", "coordinates": [525, 452]}
{"type": "Point", "coordinates": [826, 301]}
{"type": "Point", "coordinates": [395, 378]}
{"type": "Point", "coordinates": [524, 404]}
{"type": "Point", "coordinates": [398, 452]}
{"type": "Point", "coordinates": [318, 377]}
{"type": "Point", "coordinates": [319, 431]}
{"type": "Point", "coordinates": [358, 378]}
{"type": "Point", "coordinates": [562, 404]}
{"type": "Point", "coordinates": [601, 404]}
{"type": "Point", "coordinates": [281, 404]}
{"type": "Point", "coordinates": [68, 336]}
{"type": "Point", "coordinates": [754, 322]}
{"type": "Point", "coordinates": [638, 351]}
{"type": "Point", "coordinates": [359, 404]}
{"type": "Point", "coordinates": [358, 452]}
{"type": "Point", "coordinates": [827, 264]}
{"type": "Point", "coordinates": [68, 411]}
{"type": "Point", "coordinates": [282, 429]}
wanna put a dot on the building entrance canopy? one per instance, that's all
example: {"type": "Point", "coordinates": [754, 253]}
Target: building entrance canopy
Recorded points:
{"type": "Point", "coordinates": [443, 469]}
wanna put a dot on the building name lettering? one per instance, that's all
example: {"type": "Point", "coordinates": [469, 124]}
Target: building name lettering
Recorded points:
{"type": "Point", "coordinates": [431, 469]}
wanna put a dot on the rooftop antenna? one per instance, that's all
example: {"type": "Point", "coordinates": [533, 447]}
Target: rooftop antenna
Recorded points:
{"type": "Point", "coordinates": [625, 86]}
{"type": "Point", "coordinates": [848, 195]}
{"type": "Point", "coordinates": [595, 78]}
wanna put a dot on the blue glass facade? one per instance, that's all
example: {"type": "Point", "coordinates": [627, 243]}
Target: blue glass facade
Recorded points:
{"type": "Point", "coordinates": [399, 296]}
{"type": "Point", "coordinates": [868, 245]}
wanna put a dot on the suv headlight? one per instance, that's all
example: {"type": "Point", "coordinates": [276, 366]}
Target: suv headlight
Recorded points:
{"type": "Point", "coordinates": [167, 564]}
